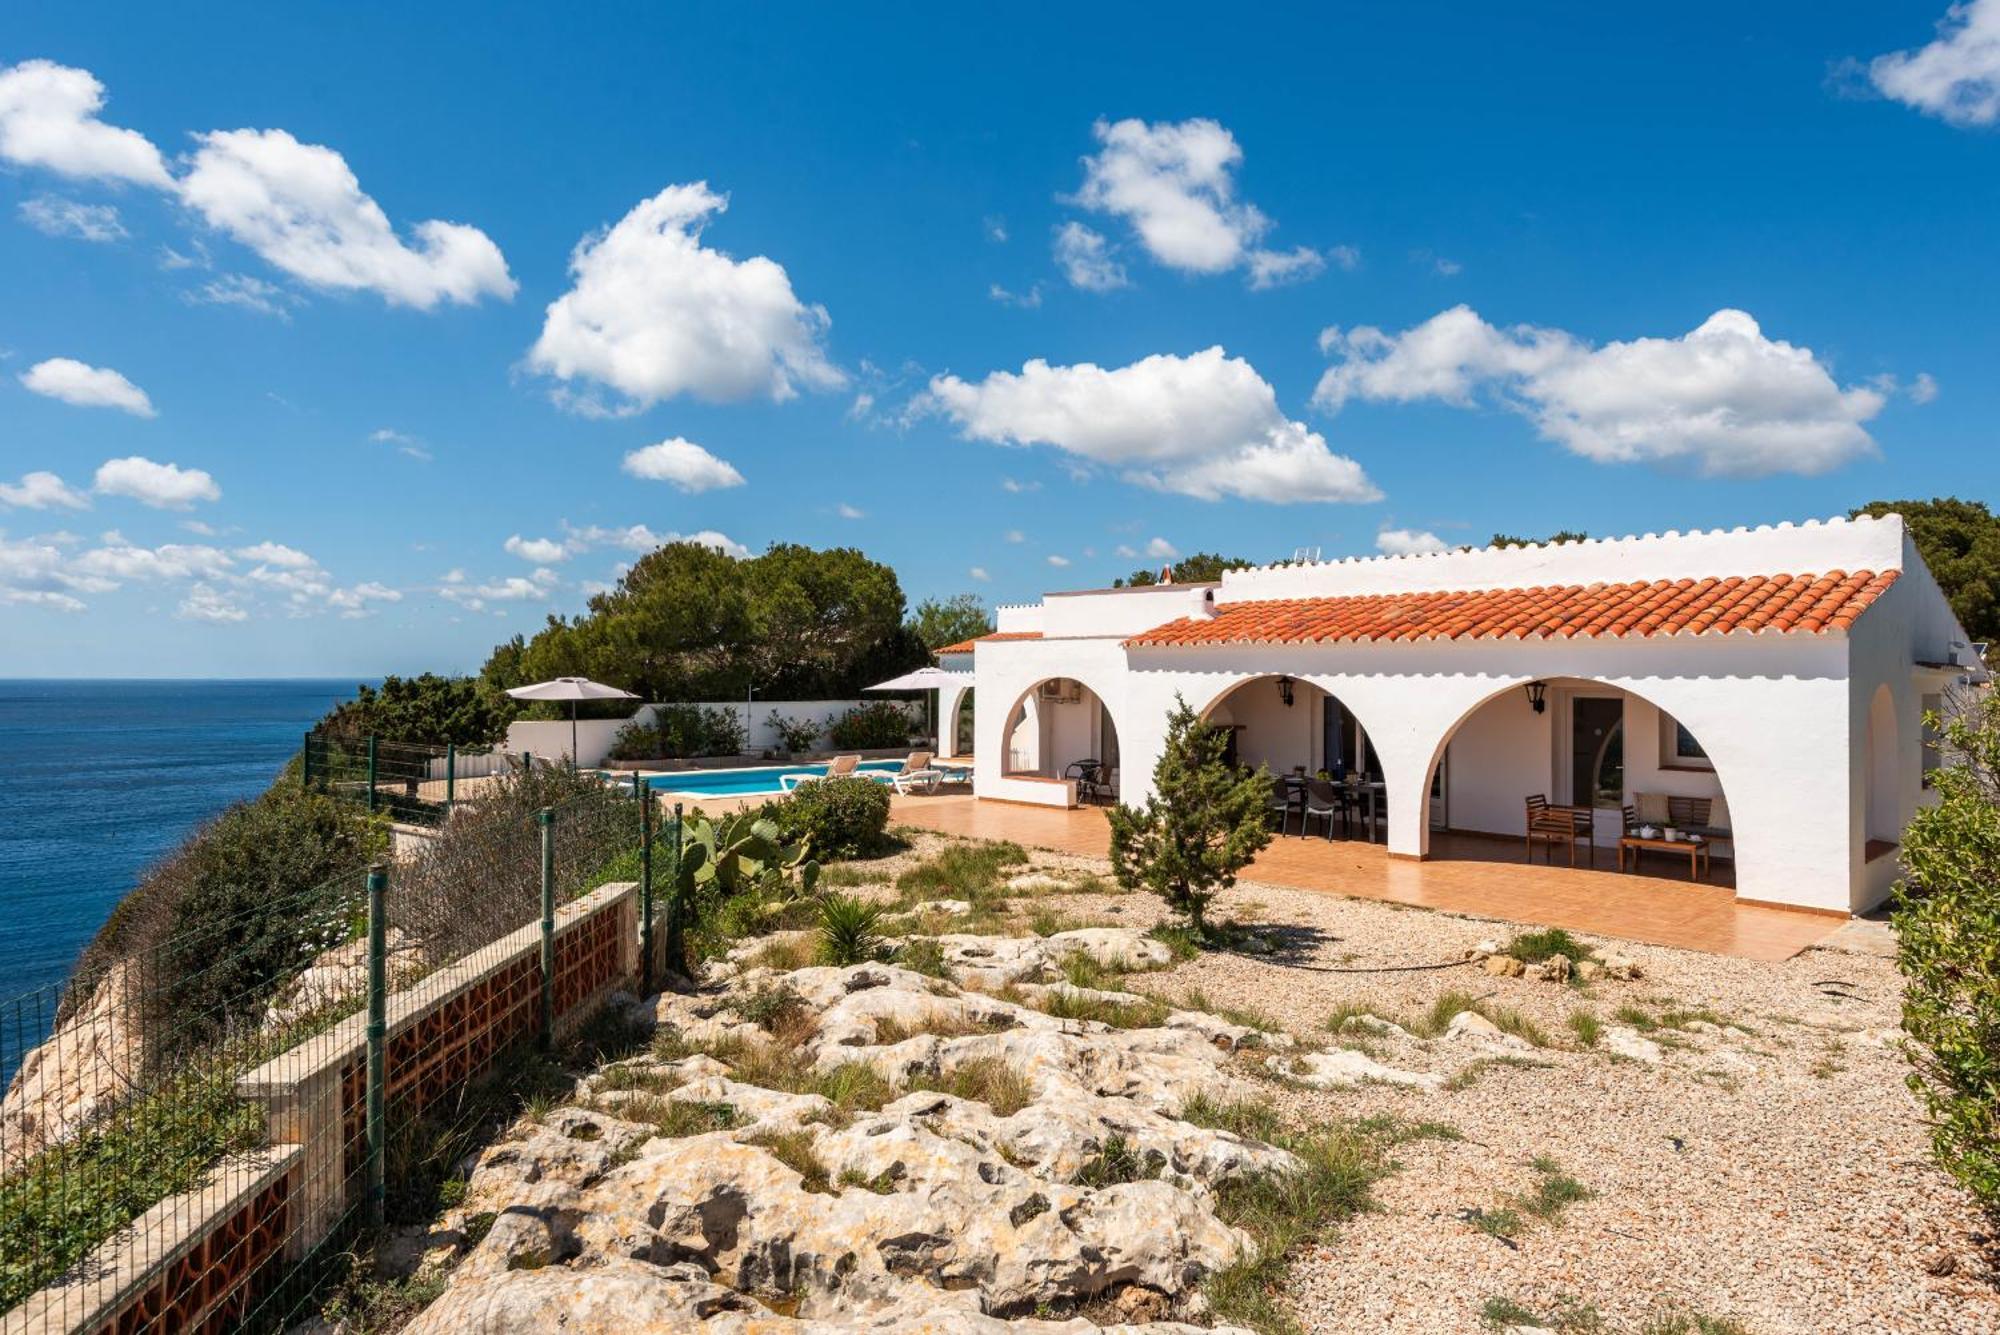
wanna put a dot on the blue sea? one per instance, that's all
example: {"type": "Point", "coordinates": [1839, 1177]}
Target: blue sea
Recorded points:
{"type": "Point", "coordinates": [100, 779]}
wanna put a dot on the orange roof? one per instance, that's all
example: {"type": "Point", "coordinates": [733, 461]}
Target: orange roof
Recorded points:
{"type": "Point", "coordinates": [1672, 607]}
{"type": "Point", "coordinates": [965, 646]}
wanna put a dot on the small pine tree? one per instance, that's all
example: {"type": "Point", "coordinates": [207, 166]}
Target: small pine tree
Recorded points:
{"type": "Point", "coordinates": [1202, 825]}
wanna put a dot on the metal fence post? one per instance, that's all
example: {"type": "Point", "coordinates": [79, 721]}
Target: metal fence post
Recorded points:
{"type": "Point", "coordinates": [676, 953]}
{"type": "Point", "coordinates": [306, 763]}
{"type": "Point", "coordinates": [371, 771]}
{"type": "Point", "coordinates": [546, 817]}
{"type": "Point", "coordinates": [378, 1029]}
{"type": "Point", "coordinates": [450, 774]}
{"type": "Point", "coordinates": [644, 789]}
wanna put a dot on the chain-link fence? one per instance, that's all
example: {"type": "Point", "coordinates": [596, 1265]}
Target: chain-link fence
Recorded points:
{"type": "Point", "coordinates": [195, 1135]}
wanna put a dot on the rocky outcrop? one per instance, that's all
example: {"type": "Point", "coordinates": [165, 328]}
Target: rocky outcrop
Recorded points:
{"type": "Point", "coordinates": [1021, 1164]}
{"type": "Point", "coordinates": [84, 1069]}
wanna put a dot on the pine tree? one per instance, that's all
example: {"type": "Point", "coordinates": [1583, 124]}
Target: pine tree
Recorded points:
{"type": "Point", "coordinates": [1203, 824]}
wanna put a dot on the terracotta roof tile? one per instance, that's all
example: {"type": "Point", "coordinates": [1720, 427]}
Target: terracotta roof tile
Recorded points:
{"type": "Point", "coordinates": [965, 646]}
{"type": "Point", "coordinates": [1804, 603]}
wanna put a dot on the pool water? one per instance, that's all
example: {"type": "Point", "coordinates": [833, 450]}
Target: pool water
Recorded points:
{"type": "Point", "coordinates": [749, 782]}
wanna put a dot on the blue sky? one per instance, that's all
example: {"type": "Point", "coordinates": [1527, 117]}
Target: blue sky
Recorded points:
{"type": "Point", "coordinates": [947, 292]}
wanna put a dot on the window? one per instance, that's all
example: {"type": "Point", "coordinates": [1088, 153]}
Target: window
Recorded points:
{"type": "Point", "coordinates": [1679, 748]}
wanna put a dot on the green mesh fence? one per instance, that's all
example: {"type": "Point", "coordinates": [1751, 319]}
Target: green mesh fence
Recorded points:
{"type": "Point", "coordinates": [221, 1073]}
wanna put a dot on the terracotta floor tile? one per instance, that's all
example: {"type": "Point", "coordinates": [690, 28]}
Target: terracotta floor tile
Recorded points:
{"type": "Point", "coordinates": [1464, 875]}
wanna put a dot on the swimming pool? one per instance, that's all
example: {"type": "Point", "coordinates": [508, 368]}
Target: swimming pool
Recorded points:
{"type": "Point", "coordinates": [748, 782]}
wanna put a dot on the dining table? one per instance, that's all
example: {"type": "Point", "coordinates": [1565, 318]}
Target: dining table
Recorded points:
{"type": "Point", "coordinates": [1371, 789]}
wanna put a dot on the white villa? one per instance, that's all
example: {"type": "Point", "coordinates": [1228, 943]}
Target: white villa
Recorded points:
{"type": "Point", "coordinates": [1781, 673]}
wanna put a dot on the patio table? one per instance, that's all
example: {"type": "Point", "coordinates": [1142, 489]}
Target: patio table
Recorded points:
{"type": "Point", "coordinates": [1295, 789]}
{"type": "Point", "coordinates": [1694, 846]}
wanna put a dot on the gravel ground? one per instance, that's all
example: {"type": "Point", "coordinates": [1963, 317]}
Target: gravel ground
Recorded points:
{"type": "Point", "coordinates": [1778, 1177]}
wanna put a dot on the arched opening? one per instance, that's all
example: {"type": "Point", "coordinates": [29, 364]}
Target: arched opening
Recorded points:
{"type": "Point", "coordinates": [1300, 731]}
{"type": "Point", "coordinates": [961, 730]}
{"type": "Point", "coordinates": [1634, 783]}
{"type": "Point", "coordinates": [1884, 792]}
{"type": "Point", "coordinates": [1062, 731]}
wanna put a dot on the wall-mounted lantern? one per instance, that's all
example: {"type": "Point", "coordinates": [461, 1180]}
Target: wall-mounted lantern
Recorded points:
{"type": "Point", "coordinates": [1285, 691]}
{"type": "Point", "coordinates": [1535, 692]}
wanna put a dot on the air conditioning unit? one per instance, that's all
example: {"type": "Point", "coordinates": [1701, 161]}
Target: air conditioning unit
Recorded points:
{"type": "Point", "coordinates": [1059, 691]}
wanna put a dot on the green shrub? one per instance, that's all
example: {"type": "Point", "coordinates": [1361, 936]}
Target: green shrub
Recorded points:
{"type": "Point", "coordinates": [1534, 947]}
{"type": "Point", "coordinates": [842, 817]}
{"type": "Point", "coordinates": [682, 732]}
{"type": "Point", "coordinates": [236, 912]}
{"type": "Point", "coordinates": [874, 726]}
{"type": "Point", "coordinates": [1947, 919]}
{"type": "Point", "coordinates": [797, 734]}
{"type": "Point", "coordinates": [1203, 824]}
{"type": "Point", "coordinates": [849, 930]}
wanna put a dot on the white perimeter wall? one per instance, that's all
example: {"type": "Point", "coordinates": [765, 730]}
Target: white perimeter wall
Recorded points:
{"type": "Point", "coordinates": [594, 737]}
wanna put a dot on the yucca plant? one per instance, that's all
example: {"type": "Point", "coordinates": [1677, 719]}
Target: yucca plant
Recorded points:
{"type": "Point", "coordinates": [848, 930]}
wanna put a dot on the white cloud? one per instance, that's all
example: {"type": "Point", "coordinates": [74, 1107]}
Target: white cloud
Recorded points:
{"type": "Point", "coordinates": [1161, 550]}
{"type": "Point", "coordinates": [979, 573]}
{"type": "Point", "coordinates": [654, 313]}
{"type": "Point", "coordinates": [352, 603]}
{"type": "Point", "coordinates": [1346, 258]}
{"type": "Point", "coordinates": [1126, 550]}
{"type": "Point", "coordinates": [1173, 184]}
{"type": "Point", "coordinates": [1722, 399]}
{"type": "Point", "coordinates": [1205, 425]}
{"type": "Point", "coordinates": [684, 464]}
{"type": "Point", "coordinates": [538, 551]}
{"type": "Point", "coordinates": [1058, 561]}
{"type": "Point", "coordinates": [162, 486]}
{"type": "Point", "coordinates": [301, 208]}
{"type": "Point", "coordinates": [34, 571]}
{"type": "Point", "coordinates": [996, 228]}
{"type": "Point", "coordinates": [87, 386]}
{"type": "Point", "coordinates": [1272, 268]}
{"type": "Point", "coordinates": [53, 215]}
{"type": "Point", "coordinates": [846, 511]}
{"type": "Point", "coordinates": [205, 603]}
{"type": "Point", "coordinates": [1018, 487]}
{"type": "Point", "coordinates": [42, 491]}
{"type": "Point", "coordinates": [513, 589]}
{"type": "Point", "coordinates": [403, 441]}
{"type": "Point", "coordinates": [48, 118]}
{"type": "Point", "coordinates": [1027, 301]}
{"type": "Point", "coordinates": [277, 554]}
{"type": "Point", "coordinates": [1408, 542]}
{"type": "Point", "coordinates": [639, 538]}
{"type": "Point", "coordinates": [1957, 76]}
{"type": "Point", "coordinates": [245, 293]}
{"type": "Point", "coordinates": [1085, 259]}
{"type": "Point", "coordinates": [1015, 535]}
{"type": "Point", "coordinates": [1924, 388]}
{"type": "Point", "coordinates": [118, 559]}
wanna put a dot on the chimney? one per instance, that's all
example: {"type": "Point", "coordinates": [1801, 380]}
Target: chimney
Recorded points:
{"type": "Point", "coordinates": [1166, 574]}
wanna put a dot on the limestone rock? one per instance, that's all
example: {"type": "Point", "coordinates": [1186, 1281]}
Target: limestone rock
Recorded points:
{"type": "Point", "coordinates": [340, 974]}
{"type": "Point", "coordinates": [1474, 1029]}
{"type": "Point", "coordinates": [1122, 948]}
{"type": "Point", "coordinates": [1589, 971]}
{"type": "Point", "coordinates": [79, 1073]}
{"type": "Point", "coordinates": [1504, 966]}
{"type": "Point", "coordinates": [1344, 1068]}
{"type": "Point", "coordinates": [1622, 967]}
{"type": "Point", "coordinates": [1624, 1041]}
{"type": "Point", "coordinates": [922, 1216]}
{"type": "Point", "coordinates": [1554, 969]}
